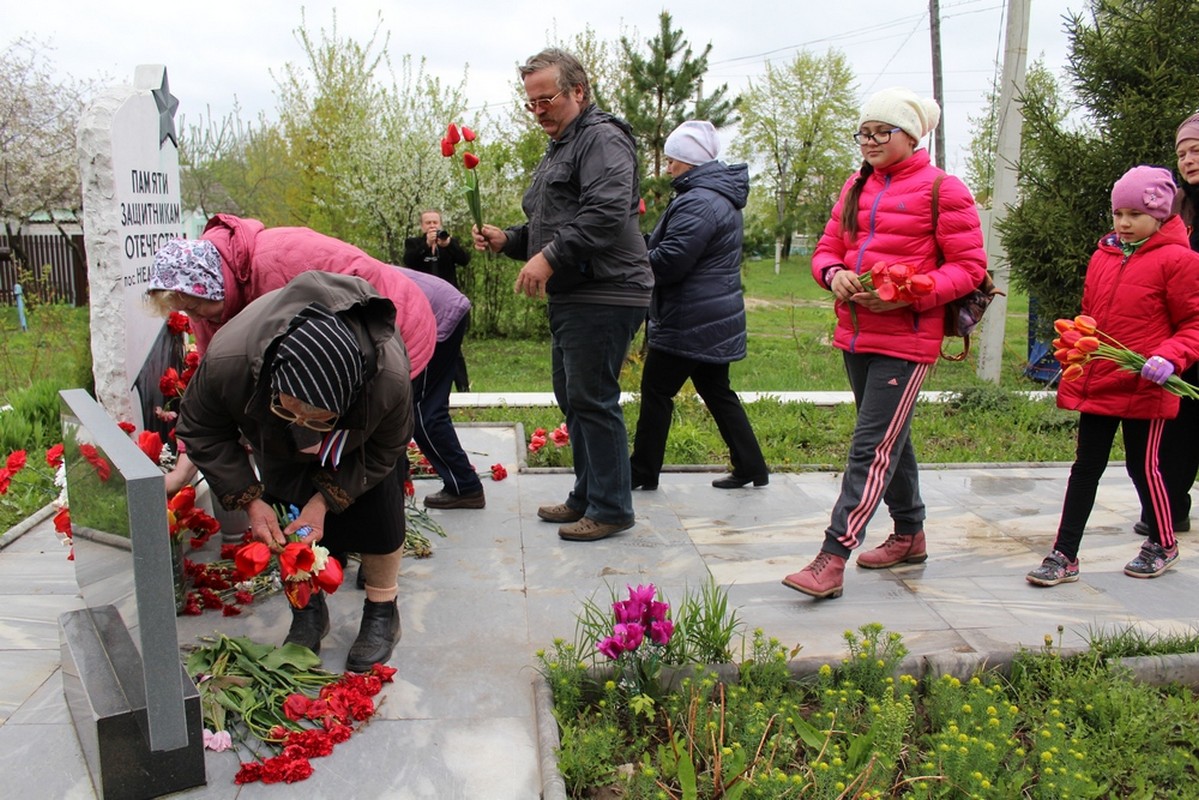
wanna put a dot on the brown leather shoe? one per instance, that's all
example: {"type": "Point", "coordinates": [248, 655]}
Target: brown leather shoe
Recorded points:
{"type": "Point", "coordinates": [444, 499]}
{"type": "Point", "coordinates": [559, 513]}
{"type": "Point", "coordinates": [589, 530]}
{"type": "Point", "coordinates": [898, 549]}
{"type": "Point", "coordinates": [824, 577]}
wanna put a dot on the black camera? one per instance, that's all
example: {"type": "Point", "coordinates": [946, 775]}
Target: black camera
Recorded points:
{"type": "Point", "coordinates": [443, 235]}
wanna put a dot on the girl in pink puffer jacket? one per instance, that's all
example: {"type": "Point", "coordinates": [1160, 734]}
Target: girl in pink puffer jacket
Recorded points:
{"type": "Point", "coordinates": [885, 214]}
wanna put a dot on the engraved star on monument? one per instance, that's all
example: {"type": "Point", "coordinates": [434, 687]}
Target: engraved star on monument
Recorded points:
{"type": "Point", "coordinates": [167, 104]}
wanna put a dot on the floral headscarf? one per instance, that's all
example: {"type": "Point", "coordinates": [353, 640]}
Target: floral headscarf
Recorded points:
{"type": "Point", "coordinates": [189, 266]}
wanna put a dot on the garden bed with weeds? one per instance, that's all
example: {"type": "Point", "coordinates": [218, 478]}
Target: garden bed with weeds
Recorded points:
{"type": "Point", "coordinates": [628, 719]}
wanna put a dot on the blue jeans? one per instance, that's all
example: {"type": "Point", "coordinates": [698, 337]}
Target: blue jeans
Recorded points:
{"type": "Point", "coordinates": [590, 343]}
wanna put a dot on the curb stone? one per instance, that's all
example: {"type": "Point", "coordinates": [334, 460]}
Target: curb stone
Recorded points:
{"type": "Point", "coordinates": [1154, 670]}
{"type": "Point", "coordinates": [25, 525]}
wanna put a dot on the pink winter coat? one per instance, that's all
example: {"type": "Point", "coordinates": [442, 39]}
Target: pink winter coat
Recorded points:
{"type": "Point", "coordinates": [256, 259]}
{"type": "Point", "coordinates": [895, 226]}
{"type": "Point", "coordinates": [1149, 303]}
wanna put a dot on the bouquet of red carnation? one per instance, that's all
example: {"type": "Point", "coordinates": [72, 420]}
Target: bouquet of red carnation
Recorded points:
{"type": "Point", "coordinates": [1080, 341]}
{"type": "Point", "coordinates": [304, 568]}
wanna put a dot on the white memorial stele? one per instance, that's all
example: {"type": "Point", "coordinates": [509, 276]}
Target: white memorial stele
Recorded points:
{"type": "Point", "coordinates": [129, 163]}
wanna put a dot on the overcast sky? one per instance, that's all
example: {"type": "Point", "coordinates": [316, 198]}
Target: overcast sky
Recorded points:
{"type": "Point", "coordinates": [220, 50]}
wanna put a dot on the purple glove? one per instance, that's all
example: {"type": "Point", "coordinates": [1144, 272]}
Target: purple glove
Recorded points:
{"type": "Point", "coordinates": [1158, 370]}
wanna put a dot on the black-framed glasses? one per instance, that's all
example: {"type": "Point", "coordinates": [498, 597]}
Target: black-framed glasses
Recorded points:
{"type": "Point", "coordinates": [318, 425]}
{"type": "Point", "coordinates": [879, 137]}
{"type": "Point", "coordinates": [533, 106]}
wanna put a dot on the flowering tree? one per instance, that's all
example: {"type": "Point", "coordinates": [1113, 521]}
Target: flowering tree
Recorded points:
{"type": "Point", "coordinates": [796, 122]}
{"type": "Point", "coordinates": [39, 113]}
{"type": "Point", "coordinates": [365, 150]}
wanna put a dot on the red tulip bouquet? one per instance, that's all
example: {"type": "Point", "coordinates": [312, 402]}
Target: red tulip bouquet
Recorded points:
{"type": "Point", "coordinates": [896, 282]}
{"type": "Point", "coordinates": [1080, 341]}
{"type": "Point", "coordinates": [449, 145]}
{"type": "Point", "coordinates": [304, 568]}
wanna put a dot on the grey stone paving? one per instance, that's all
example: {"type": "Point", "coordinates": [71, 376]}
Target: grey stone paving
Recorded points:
{"type": "Point", "coordinates": [458, 722]}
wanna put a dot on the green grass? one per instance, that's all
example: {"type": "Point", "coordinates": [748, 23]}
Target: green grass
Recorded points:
{"type": "Point", "coordinates": [790, 321]}
{"type": "Point", "coordinates": [55, 349]}
{"type": "Point", "coordinates": [790, 324]}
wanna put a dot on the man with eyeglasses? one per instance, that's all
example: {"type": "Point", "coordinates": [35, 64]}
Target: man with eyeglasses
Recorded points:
{"type": "Point", "coordinates": [582, 247]}
{"type": "Point", "coordinates": [312, 377]}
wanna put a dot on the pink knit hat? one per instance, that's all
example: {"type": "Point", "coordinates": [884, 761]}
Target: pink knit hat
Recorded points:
{"type": "Point", "coordinates": [1189, 129]}
{"type": "Point", "coordinates": [1149, 190]}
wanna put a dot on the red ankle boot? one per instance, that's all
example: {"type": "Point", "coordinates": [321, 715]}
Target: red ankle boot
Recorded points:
{"type": "Point", "coordinates": [898, 549]}
{"type": "Point", "coordinates": [822, 578]}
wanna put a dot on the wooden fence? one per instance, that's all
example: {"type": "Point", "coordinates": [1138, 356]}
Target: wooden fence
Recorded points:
{"type": "Point", "coordinates": [53, 269]}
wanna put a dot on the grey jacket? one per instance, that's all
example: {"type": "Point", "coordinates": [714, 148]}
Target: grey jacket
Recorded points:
{"type": "Point", "coordinates": [229, 399]}
{"type": "Point", "coordinates": [582, 215]}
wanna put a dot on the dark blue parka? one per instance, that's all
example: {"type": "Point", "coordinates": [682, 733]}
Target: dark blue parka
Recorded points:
{"type": "Point", "coordinates": [697, 310]}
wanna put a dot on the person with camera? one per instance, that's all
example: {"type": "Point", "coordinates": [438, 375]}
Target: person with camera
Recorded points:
{"type": "Point", "coordinates": [437, 253]}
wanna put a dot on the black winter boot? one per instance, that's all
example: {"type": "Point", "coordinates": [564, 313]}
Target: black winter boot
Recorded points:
{"type": "Point", "coordinates": [377, 636]}
{"type": "Point", "coordinates": [309, 624]}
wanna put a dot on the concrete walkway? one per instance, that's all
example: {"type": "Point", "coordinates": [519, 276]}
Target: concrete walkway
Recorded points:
{"type": "Point", "coordinates": [458, 722]}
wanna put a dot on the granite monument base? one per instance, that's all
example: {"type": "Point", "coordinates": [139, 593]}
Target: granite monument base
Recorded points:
{"type": "Point", "coordinates": [102, 680]}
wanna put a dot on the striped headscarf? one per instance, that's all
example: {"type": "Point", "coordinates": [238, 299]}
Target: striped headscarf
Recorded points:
{"type": "Point", "coordinates": [318, 361]}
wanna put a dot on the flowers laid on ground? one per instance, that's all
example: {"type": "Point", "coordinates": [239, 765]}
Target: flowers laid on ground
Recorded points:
{"type": "Point", "coordinates": [896, 282]}
{"type": "Point", "coordinates": [275, 708]}
{"type": "Point", "coordinates": [1079, 342]}
{"type": "Point", "coordinates": [218, 586]}
{"type": "Point", "coordinates": [498, 473]}
{"type": "Point", "coordinates": [449, 146]}
{"type": "Point", "coordinates": [304, 567]}
{"type": "Point", "coordinates": [418, 462]}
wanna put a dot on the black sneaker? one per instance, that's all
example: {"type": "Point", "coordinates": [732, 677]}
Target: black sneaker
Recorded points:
{"type": "Point", "coordinates": [1141, 528]}
{"type": "Point", "coordinates": [1055, 569]}
{"type": "Point", "coordinates": [1152, 561]}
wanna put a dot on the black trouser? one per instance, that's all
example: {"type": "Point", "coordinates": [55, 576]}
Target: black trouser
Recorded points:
{"type": "Point", "coordinates": [434, 429]}
{"type": "Point", "coordinates": [1179, 457]}
{"type": "Point", "coordinates": [1096, 432]}
{"type": "Point", "coordinates": [664, 374]}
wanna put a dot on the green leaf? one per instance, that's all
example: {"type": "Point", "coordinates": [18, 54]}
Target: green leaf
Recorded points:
{"type": "Point", "coordinates": [293, 655]}
{"type": "Point", "coordinates": [859, 749]}
{"type": "Point", "coordinates": [808, 733]}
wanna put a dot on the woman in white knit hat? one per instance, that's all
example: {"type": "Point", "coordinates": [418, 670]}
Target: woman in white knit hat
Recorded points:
{"type": "Point", "coordinates": [697, 312]}
{"type": "Point", "coordinates": [886, 215]}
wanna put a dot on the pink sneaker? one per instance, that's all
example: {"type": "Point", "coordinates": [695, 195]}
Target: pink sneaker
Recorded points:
{"type": "Point", "coordinates": [898, 549]}
{"type": "Point", "coordinates": [824, 577]}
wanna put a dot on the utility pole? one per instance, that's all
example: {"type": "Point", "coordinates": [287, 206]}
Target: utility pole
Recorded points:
{"type": "Point", "coordinates": [1011, 121]}
{"type": "Point", "coordinates": [780, 199]}
{"type": "Point", "coordinates": [934, 29]}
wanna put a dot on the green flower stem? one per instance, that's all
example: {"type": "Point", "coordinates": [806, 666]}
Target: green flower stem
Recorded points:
{"type": "Point", "coordinates": [1133, 362]}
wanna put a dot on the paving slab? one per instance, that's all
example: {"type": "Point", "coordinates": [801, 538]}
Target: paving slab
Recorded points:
{"type": "Point", "coordinates": [458, 721]}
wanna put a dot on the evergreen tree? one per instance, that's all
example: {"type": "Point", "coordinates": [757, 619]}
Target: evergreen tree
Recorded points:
{"type": "Point", "coordinates": [1132, 67]}
{"type": "Point", "coordinates": [661, 89]}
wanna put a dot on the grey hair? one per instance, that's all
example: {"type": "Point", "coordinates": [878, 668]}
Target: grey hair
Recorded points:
{"type": "Point", "coordinates": [570, 70]}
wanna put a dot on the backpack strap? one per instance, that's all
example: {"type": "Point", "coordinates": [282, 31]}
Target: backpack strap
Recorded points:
{"type": "Point", "coordinates": [937, 215]}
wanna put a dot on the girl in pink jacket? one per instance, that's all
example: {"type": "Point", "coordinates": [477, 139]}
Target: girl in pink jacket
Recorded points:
{"type": "Point", "coordinates": [1142, 289]}
{"type": "Point", "coordinates": [885, 215]}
